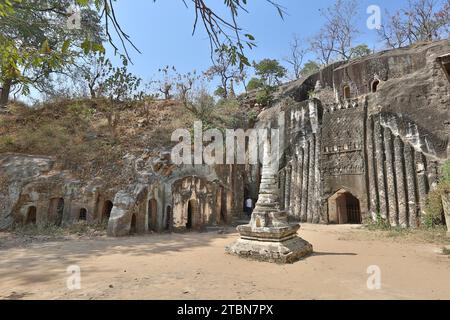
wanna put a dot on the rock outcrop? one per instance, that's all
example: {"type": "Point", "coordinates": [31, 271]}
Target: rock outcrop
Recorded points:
{"type": "Point", "coordinates": [361, 139]}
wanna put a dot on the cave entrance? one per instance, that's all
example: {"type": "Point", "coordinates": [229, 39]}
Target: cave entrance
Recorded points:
{"type": "Point", "coordinates": [133, 229]}
{"type": "Point", "coordinates": [83, 215]}
{"type": "Point", "coordinates": [31, 216]}
{"type": "Point", "coordinates": [223, 206]}
{"type": "Point", "coordinates": [168, 217]}
{"type": "Point", "coordinates": [344, 208]}
{"type": "Point", "coordinates": [107, 211]}
{"type": "Point", "coordinates": [447, 69]}
{"type": "Point", "coordinates": [152, 214]}
{"type": "Point", "coordinates": [347, 93]}
{"type": "Point", "coordinates": [445, 63]}
{"type": "Point", "coordinates": [191, 214]}
{"type": "Point", "coordinates": [56, 210]}
{"type": "Point", "coordinates": [374, 86]}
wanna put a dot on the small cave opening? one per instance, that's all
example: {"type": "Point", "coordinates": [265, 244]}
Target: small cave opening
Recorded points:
{"type": "Point", "coordinates": [83, 215]}
{"type": "Point", "coordinates": [374, 86]}
{"type": "Point", "coordinates": [191, 214]}
{"type": "Point", "coordinates": [168, 218]}
{"type": "Point", "coordinates": [56, 211]}
{"type": "Point", "coordinates": [347, 92]}
{"type": "Point", "coordinates": [152, 214]}
{"type": "Point", "coordinates": [31, 216]}
{"type": "Point", "coordinates": [107, 211]}
{"type": "Point", "coordinates": [344, 208]}
{"type": "Point", "coordinates": [133, 229]}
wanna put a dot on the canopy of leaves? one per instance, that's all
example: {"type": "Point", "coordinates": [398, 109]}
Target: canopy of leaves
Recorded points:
{"type": "Point", "coordinates": [270, 71]}
{"type": "Point", "coordinates": [310, 68]}
{"type": "Point", "coordinates": [226, 71]}
{"type": "Point", "coordinates": [360, 51]}
{"type": "Point", "coordinates": [255, 84]}
{"type": "Point", "coordinates": [35, 40]}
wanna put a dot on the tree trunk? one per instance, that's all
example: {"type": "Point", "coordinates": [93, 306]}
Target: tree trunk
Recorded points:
{"type": "Point", "coordinates": [4, 97]}
{"type": "Point", "coordinates": [231, 92]}
{"type": "Point", "coordinates": [92, 92]}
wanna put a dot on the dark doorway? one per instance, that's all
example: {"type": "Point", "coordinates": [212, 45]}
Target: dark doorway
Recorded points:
{"type": "Point", "coordinates": [152, 214]}
{"type": "Point", "coordinates": [223, 206]}
{"type": "Point", "coordinates": [347, 93]}
{"type": "Point", "coordinates": [59, 212]}
{"type": "Point", "coordinates": [348, 209]}
{"type": "Point", "coordinates": [168, 217]}
{"type": "Point", "coordinates": [192, 212]}
{"type": "Point", "coordinates": [107, 211]}
{"type": "Point", "coordinates": [31, 216]}
{"type": "Point", "coordinates": [133, 224]}
{"type": "Point", "coordinates": [375, 86]}
{"type": "Point", "coordinates": [446, 67]}
{"type": "Point", "coordinates": [83, 215]}
{"type": "Point", "coordinates": [189, 217]}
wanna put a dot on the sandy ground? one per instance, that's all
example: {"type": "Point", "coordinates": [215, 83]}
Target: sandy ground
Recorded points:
{"type": "Point", "coordinates": [194, 266]}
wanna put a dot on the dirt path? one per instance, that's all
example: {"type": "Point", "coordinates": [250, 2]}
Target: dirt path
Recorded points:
{"type": "Point", "coordinates": [194, 266]}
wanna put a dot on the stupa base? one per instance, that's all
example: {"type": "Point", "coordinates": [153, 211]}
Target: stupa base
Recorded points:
{"type": "Point", "coordinates": [283, 248]}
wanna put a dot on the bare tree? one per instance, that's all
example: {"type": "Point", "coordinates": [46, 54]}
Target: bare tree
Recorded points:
{"type": "Point", "coordinates": [335, 38]}
{"type": "Point", "coordinates": [166, 84]}
{"type": "Point", "coordinates": [296, 57]}
{"type": "Point", "coordinates": [225, 68]}
{"type": "Point", "coordinates": [422, 20]}
{"type": "Point", "coordinates": [185, 84]}
{"type": "Point", "coordinates": [93, 70]}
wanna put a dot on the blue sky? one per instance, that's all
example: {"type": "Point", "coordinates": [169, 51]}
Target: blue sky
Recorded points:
{"type": "Point", "coordinates": [163, 30]}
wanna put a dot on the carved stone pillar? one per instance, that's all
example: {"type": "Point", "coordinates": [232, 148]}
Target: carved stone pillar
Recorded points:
{"type": "Point", "coordinates": [311, 182]}
{"type": "Point", "coordinates": [400, 178]}
{"type": "Point", "coordinates": [446, 205]}
{"type": "Point", "coordinates": [371, 169]}
{"type": "Point", "coordinates": [294, 185]}
{"type": "Point", "coordinates": [411, 187]}
{"type": "Point", "coordinates": [282, 187]}
{"type": "Point", "coordinates": [298, 203]}
{"type": "Point", "coordinates": [390, 178]}
{"type": "Point", "coordinates": [422, 184]}
{"type": "Point", "coordinates": [304, 204]}
{"type": "Point", "coordinates": [287, 198]}
{"type": "Point", "coordinates": [317, 185]}
{"type": "Point", "coordinates": [379, 155]}
{"type": "Point", "coordinates": [433, 174]}
{"type": "Point", "coordinates": [269, 236]}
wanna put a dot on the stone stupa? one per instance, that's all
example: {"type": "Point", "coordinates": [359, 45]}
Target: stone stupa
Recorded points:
{"type": "Point", "coordinates": [269, 236]}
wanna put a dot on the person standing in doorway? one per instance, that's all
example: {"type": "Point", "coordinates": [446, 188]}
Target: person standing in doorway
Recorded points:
{"type": "Point", "coordinates": [248, 206]}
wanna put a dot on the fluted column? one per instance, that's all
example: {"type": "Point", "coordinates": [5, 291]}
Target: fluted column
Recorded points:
{"type": "Point", "coordinates": [390, 178]}
{"type": "Point", "coordinates": [282, 187]}
{"type": "Point", "coordinates": [433, 174]}
{"type": "Point", "coordinates": [287, 190]}
{"type": "Point", "coordinates": [304, 210]}
{"type": "Point", "coordinates": [294, 186]}
{"type": "Point", "coordinates": [371, 168]}
{"type": "Point", "coordinates": [311, 182]}
{"type": "Point", "coordinates": [411, 187]}
{"type": "Point", "coordinates": [317, 185]}
{"type": "Point", "coordinates": [422, 184]}
{"type": "Point", "coordinates": [400, 178]}
{"type": "Point", "coordinates": [298, 203]}
{"type": "Point", "coordinates": [379, 154]}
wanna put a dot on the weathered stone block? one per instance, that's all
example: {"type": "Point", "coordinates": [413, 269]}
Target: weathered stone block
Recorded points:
{"type": "Point", "coordinates": [446, 205]}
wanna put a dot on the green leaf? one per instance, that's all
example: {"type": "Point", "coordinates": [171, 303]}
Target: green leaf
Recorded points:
{"type": "Point", "coordinates": [65, 47]}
